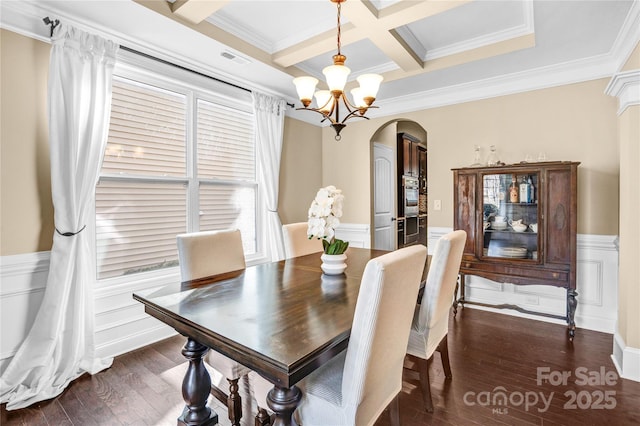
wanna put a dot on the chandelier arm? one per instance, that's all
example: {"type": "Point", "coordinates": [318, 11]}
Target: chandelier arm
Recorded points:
{"type": "Point", "coordinates": [353, 114]}
{"type": "Point", "coordinates": [326, 117]}
{"type": "Point", "coordinates": [350, 107]}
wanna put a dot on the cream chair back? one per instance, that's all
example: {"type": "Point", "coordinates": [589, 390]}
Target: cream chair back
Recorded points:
{"type": "Point", "coordinates": [207, 253]}
{"type": "Point", "coordinates": [441, 283]}
{"type": "Point", "coordinates": [372, 374]}
{"type": "Point", "coordinates": [296, 242]}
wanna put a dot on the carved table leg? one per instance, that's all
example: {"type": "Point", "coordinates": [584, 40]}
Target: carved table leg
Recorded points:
{"type": "Point", "coordinates": [195, 388]}
{"type": "Point", "coordinates": [572, 304]}
{"type": "Point", "coordinates": [283, 402]}
{"type": "Point", "coordinates": [234, 403]}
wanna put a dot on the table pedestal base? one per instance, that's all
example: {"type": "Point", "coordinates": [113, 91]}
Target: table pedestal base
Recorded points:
{"type": "Point", "coordinates": [196, 387]}
{"type": "Point", "coordinates": [211, 421]}
{"type": "Point", "coordinates": [283, 402]}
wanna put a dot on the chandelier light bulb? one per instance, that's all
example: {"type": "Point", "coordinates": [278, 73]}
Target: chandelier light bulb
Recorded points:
{"type": "Point", "coordinates": [358, 100]}
{"type": "Point", "coordinates": [305, 86]}
{"type": "Point", "coordinates": [369, 84]}
{"type": "Point", "coordinates": [325, 101]}
{"type": "Point", "coordinates": [336, 76]}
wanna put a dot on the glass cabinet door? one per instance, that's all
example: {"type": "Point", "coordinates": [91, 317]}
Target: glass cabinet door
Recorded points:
{"type": "Point", "coordinates": [510, 215]}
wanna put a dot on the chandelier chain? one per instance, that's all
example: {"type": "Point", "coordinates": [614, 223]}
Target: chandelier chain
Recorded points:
{"type": "Point", "coordinates": [339, 7]}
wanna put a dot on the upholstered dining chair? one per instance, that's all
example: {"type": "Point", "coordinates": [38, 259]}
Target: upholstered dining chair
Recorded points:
{"type": "Point", "coordinates": [296, 241]}
{"type": "Point", "coordinates": [202, 254]}
{"type": "Point", "coordinates": [430, 324]}
{"type": "Point", "coordinates": [354, 387]}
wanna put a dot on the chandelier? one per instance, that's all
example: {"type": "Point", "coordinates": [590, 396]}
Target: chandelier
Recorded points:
{"type": "Point", "coordinates": [328, 101]}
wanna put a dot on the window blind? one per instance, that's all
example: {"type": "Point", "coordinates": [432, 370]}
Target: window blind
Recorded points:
{"type": "Point", "coordinates": [136, 225]}
{"type": "Point", "coordinates": [143, 199]}
{"type": "Point", "coordinates": [147, 132]}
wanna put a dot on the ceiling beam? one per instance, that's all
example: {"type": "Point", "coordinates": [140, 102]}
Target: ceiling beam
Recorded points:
{"type": "Point", "coordinates": [196, 11]}
{"type": "Point", "coordinates": [365, 21]}
{"type": "Point", "coordinates": [321, 43]}
{"type": "Point", "coordinates": [364, 17]}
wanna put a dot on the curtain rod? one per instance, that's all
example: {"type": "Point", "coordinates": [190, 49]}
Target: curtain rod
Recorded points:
{"type": "Point", "coordinates": [56, 22]}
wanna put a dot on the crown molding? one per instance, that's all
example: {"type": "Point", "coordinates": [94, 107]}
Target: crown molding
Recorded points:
{"type": "Point", "coordinates": [626, 87]}
{"type": "Point", "coordinates": [601, 66]}
{"type": "Point", "coordinates": [628, 36]}
{"type": "Point", "coordinates": [224, 22]}
{"type": "Point", "coordinates": [25, 18]}
{"type": "Point", "coordinates": [527, 27]}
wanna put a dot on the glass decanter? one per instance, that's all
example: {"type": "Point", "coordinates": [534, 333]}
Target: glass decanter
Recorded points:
{"type": "Point", "coordinates": [476, 158]}
{"type": "Point", "coordinates": [492, 159]}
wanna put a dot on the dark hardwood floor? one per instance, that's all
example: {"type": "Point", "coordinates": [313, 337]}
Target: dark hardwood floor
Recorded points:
{"type": "Point", "coordinates": [494, 358]}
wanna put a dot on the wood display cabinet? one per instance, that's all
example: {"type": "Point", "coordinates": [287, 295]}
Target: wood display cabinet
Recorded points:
{"type": "Point", "coordinates": [521, 223]}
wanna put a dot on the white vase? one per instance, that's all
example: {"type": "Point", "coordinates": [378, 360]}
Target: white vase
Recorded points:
{"type": "Point", "coordinates": [333, 264]}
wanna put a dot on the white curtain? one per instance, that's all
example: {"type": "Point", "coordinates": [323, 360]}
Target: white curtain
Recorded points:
{"type": "Point", "coordinates": [60, 345]}
{"type": "Point", "coordinates": [269, 124]}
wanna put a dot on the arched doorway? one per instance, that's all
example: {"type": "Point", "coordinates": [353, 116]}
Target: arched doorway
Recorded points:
{"type": "Point", "coordinates": [388, 229]}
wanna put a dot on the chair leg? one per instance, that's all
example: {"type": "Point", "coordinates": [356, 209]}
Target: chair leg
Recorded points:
{"type": "Point", "coordinates": [262, 418]}
{"type": "Point", "coordinates": [394, 411]}
{"type": "Point", "coordinates": [234, 403]}
{"type": "Point", "coordinates": [443, 348]}
{"type": "Point", "coordinates": [423, 371]}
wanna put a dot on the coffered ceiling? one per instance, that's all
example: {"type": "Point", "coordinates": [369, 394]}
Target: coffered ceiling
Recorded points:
{"type": "Point", "coordinates": [430, 52]}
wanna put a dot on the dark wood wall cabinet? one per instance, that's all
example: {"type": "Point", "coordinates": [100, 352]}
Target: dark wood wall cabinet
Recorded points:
{"type": "Point", "coordinates": [521, 223]}
{"type": "Point", "coordinates": [409, 156]}
{"type": "Point", "coordinates": [412, 190]}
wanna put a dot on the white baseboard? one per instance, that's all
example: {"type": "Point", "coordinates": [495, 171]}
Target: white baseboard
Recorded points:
{"type": "Point", "coordinates": [626, 359]}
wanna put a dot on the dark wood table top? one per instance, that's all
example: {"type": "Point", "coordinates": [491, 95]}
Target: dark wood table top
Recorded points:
{"type": "Point", "coordinates": [281, 319]}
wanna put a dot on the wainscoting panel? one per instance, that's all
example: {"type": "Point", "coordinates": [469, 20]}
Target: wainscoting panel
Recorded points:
{"type": "Point", "coordinates": [122, 325]}
{"type": "Point", "coordinates": [597, 286]}
{"type": "Point", "coordinates": [358, 235]}
{"type": "Point", "coordinates": [24, 279]}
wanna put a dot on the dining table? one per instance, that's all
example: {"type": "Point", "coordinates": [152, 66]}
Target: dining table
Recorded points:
{"type": "Point", "coordinates": [281, 319]}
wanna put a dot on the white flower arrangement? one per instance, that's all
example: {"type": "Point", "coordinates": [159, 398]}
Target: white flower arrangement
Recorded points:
{"type": "Point", "coordinates": [324, 214]}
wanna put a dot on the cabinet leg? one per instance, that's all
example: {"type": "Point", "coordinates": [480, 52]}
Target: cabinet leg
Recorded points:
{"type": "Point", "coordinates": [458, 299]}
{"type": "Point", "coordinates": [572, 304]}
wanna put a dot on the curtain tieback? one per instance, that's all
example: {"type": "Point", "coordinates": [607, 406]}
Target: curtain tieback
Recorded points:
{"type": "Point", "coordinates": [272, 211]}
{"type": "Point", "coordinates": [70, 234]}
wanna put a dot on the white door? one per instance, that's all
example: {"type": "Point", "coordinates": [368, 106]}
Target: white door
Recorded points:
{"type": "Point", "coordinates": [384, 221]}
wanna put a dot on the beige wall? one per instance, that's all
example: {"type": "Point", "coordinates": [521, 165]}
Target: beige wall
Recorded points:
{"type": "Point", "coordinates": [26, 215]}
{"type": "Point", "coordinates": [300, 169]}
{"type": "Point", "coordinates": [633, 63]}
{"type": "Point", "coordinates": [574, 122]}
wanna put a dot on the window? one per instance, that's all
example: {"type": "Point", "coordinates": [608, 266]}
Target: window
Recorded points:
{"type": "Point", "coordinates": [179, 158]}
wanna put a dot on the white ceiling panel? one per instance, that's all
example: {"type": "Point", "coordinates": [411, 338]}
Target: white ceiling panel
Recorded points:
{"type": "Point", "coordinates": [419, 46]}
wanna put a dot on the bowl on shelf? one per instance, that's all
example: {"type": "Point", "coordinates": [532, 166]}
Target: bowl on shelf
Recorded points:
{"type": "Point", "coordinates": [519, 227]}
{"type": "Point", "coordinates": [534, 227]}
{"type": "Point", "coordinates": [515, 252]}
{"type": "Point", "coordinates": [499, 225]}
